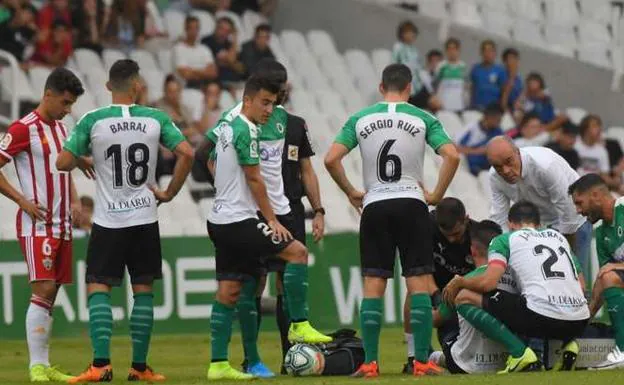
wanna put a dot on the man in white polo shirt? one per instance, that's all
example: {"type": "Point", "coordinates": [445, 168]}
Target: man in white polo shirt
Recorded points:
{"type": "Point", "coordinates": [541, 176]}
{"type": "Point", "coordinates": [193, 61]}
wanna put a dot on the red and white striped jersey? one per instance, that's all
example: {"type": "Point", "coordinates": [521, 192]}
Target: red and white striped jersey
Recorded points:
{"type": "Point", "coordinates": [34, 146]}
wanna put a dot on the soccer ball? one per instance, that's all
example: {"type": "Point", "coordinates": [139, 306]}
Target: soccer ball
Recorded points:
{"type": "Point", "coordinates": [304, 360]}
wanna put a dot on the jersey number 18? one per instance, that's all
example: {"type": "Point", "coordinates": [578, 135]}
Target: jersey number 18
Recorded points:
{"type": "Point", "coordinates": [137, 158]}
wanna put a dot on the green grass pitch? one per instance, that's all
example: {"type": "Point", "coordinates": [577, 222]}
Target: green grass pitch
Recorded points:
{"type": "Point", "coordinates": [184, 358]}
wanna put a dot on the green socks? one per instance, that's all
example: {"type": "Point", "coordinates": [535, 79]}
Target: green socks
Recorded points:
{"type": "Point", "coordinates": [100, 326]}
{"type": "Point", "coordinates": [220, 331]}
{"type": "Point", "coordinates": [492, 328]}
{"type": "Point", "coordinates": [370, 322]}
{"type": "Point", "coordinates": [141, 324]}
{"type": "Point", "coordinates": [248, 317]}
{"type": "Point", "coordinates": [296, 287]}
{"type": "Point", "coordinates": [421, 321]}
{"type": "Point", "coordinates": [614, 297]}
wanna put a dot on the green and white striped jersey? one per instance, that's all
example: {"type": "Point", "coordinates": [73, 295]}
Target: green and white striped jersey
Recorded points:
{"type": "Point", "coordinates": [610, 237]}
{"type": "Point", "coordinates": [545, 270]}
{"type": "Point", "coordinates": [123, 140]}
{"type": "Point", "coordinates": [392, 138]}
{"type": "Point", "coordinates": [450, 80]}
{"type": "Point", "coordinates": [271, 137]}
{"type": "Point", "coordinates": [236, 146]}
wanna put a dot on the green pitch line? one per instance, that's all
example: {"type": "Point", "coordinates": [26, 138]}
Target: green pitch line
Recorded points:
{"type": "Point", "coordinates": [183, 359]}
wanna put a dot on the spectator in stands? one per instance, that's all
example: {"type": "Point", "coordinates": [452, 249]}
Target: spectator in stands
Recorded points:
{"type": "Point", "coordinates": [537, 99]}
{"type": "Point", "coordinates": [264, 7]}
{"type": "Point", "coordinates": [126, 26]}
{"type": "Point", "coordinates": [89, 24]}
{"type": "Point", "coordinates": [404, 52]}
{"type": "Point", "coordinates": [49, 15]}
{"type": "Point", "coordinates": [223, 44]}
{"type": "Point", "coordinates": [616, 160]}
{"type": "Point", "coordinates": [512, 81]}
{"type": "Point", "coordinates": [212, 107]}
{"type": "Point", "coordinates": [18, 34]}
{"type": "Point", "coordinates": [257, 49]}
{"type": "Point", "coordinates": [434, 58]}
{"type": "Point", "coordinates": [473, 143]}
{"type": "Point", "coordinates": [564, 144]}
{"type": "Point", "coordinates": [486, 78]}
{"type": "Point", "coordinates": [592, 151]}
{"type": "Point", "coordinates": [193, 61]}
{"type": "Point", "coordinates": [449, 77]}
{"type": "Point", "coordinates": [56, 50]}
{"type": "Point", "coordinates": [531, 132]}
{"type": "Point", "coordinates": [181, 114]}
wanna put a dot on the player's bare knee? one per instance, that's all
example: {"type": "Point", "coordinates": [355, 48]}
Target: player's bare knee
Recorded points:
{"type": "Point", "coordinates": [374, 287]}
{"type": "Point", "coordinates": [296, 252]}
{"type": "Point", "coordinates": [611, 279]}
{"type": "Point", "coordinates": [45, 289]}
{"type": "Point", "coordinates": [417, 284]}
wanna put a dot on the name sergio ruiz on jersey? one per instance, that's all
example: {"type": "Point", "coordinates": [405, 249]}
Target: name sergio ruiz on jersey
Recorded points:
{"type": "Point", "coordinates": [389, 123]}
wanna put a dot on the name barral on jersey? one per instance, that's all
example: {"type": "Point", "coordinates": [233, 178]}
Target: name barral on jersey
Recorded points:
{"type": "Point", "coordinates": [389, 123]}
{"type": "Point", "coordinates": [128, 126]}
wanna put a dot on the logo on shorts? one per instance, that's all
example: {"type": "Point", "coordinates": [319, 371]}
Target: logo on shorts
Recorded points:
{"type": "Point", "coordinates": [267, 232]}
{"type": "Point", "coordinates": [47, 263]}
{"type": "Point", "coordinates": [495, 296]}
{"type": "Point", "coordinates": [6, 141]}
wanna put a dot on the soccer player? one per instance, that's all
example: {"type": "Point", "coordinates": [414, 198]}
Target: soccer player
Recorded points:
{"type": "Point", "coordinates": [123, 139]}
{"type": "Point", "coordinates": [541, 176]}
{"type": "Point", "coordinates": [592, 198]}
{"type": "Point", "coordinates": [241, 239]}
{"type": "Point", "coordinates": [551, 305]}
{"type": "Point", "coordinates": [46, 202]}
{"type": "Point", "coordinates": [451, 255]}
{"type": "Point", "coordinates": [470, 351]}
{"type": "Point", "coordinates": [392, 135]}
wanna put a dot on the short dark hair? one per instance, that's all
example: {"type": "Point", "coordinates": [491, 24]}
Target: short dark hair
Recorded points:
{"type": "Point", "coordinates": [493, 108]}
{"type": "Point", "coordinates": [483, 232]}
{"type": "Point", "coordinates": [59, 23]}
{"type": "Point", "coordinates": [586, 121]}
{"type": "Point", "coordinates": [171, 78]}
{"type": "Point", "coordinates": [569, 128]}
{"type": "Point", "coordinates": [226, 20]}
{"type": "Point", "coordinates": [62, 80]}
{"type": "Point", "coordinates": [510, 52]}
{"type": "Point", "coordinates": [271, 69]}
{"type": "Point", "coordinates": [256, 83]}
{"type": "Point", "coordinates": [449, 212]}
{"type": "Point", "coordinates": [121, 72]}
{"type": "Point", "coordinates": [404, 27]}
{"type": "Point", "coordinates": [527, 118]}
{"type": "Point", "coordinates": [524, 212]}
{"type": "Point", "coordinates": [586, 183]}
{"type": "Point", "coordinates": [396, 77]}
{"type": "Point", "coordinates": [537, 77]}
{"type": "Point", "coordinates": [452, 40]}
{"type": "Point", "coordinates": [432, 53]}
{"type": "Point", "coordinates": [189, 19]}
{"type": "Point", "coordinates": [264, 27]}
{"type": "Point", "coordinates": [487, 42]}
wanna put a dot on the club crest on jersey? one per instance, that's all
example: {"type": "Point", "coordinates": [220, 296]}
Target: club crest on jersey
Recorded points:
{"type": "Point", "coordinates": [47, 263]}
{"type": "Point", "coordinates": [6, 141]}
{"type": "Point", "coordinates": [253, 149]}
{"type": "Point", "coordinates": [280, 128]}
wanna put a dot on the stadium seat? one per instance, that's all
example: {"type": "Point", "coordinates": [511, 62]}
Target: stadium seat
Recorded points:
{"type": "Point", "coordinates": [498, 22]}
{"type": "Point", "coordinates": [465, 13]}
{"type": "Point", "coordinates": [382, 57]}
{"type": "Point", "coordinates": [597, 10]}
{"type": "Point", "coordinates": [471, 116]}
{"type": "Point", "coordinates": [433, 8]}
{"type": "Point", "coordinates": [206, 22]}
{"type": "Point", "coordinates": [96, 79]}
{"type": "Point", "coordinates": [302, 101]}
{"type": "Point", "coordinates": [576, 114]}
{"type": "Point", "coordinates": [154, 13]}
{"type": "Point", "coordinates": [595, 54]}
{"type": "Point", "coordinates": [527, 9]}
{"type": "Point", "coordinates": [321, 43]}
{"type": "Point", "coordinates": [593, 32]}
{"type": "Point", "coordinates": [293, 43]}
{"type": "Point", "coordinates": [194, 99]}
{"type": "Point", "coordinates": [164, 61]}
{"type": "Point", "coordinates": [365, 77]}
{"type": "Point", "coordinates": [102, 96]}
{"type": "Point", "coordinates": [251, 20]}
{"type": "Point", "coordinates": [38, 76]}
{"type": "Point", "coordinates": [174, 21]}
{"type": "Point", "coordinates": [330, 102]}
{"type": "Point", "coordinates": [528, 32]}
{"type": "Point", "coordinates": [313, 77]}
{"type": "Point", "coordinates": [499, 5]}
{"type": "Point", "coordinates": [110, 56]}
{"type": "Point", "coordinates": [562, 12]}
{"type": "Point", "coordinates": [155, 80]}
{"type": "Point", "coordinates": [560, 35]}
{"type": "Point", "coordinates": [84, 104]}
{"type": "Point", "coordinates": [87, 60]}
{"type": "Point", "coordinates": [451, 123]}
{"type": "Point", "coordinates": [23, 86]}
{"type": "Point", "coordinates": [226, 100]}
{"type": "Point", "coordinates": [616, 133]}
{"type": "Point", "coordinates": [145, 59]}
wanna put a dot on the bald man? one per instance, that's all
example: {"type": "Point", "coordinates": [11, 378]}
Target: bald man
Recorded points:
{"type": "Point", "coordinates": [541, 176]}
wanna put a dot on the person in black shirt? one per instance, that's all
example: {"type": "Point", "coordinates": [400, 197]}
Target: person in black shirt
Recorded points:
{"type": "Point", "coordinates": [257, 49]}
{"type": "Point", "coordinates": [17, 35]}
{"type": "Point", "coordinates": [564, 144]}
{"type": "Point", "coordinates": [451, 251]}
{"type": "Point", "coordinates": [224, 46]}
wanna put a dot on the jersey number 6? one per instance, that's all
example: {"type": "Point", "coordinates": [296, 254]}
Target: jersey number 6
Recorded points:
{"type": "Point", "coordinates": [385, 161]}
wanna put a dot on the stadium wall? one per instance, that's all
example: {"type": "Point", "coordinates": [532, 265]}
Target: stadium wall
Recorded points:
{"type": "Point", "coordinates": [183, 298]}
{"type": "Point", "coordinates": [367, 26]}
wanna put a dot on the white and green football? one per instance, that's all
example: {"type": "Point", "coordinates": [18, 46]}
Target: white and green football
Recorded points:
{"type": "Point", "coordinates": [304, 360]}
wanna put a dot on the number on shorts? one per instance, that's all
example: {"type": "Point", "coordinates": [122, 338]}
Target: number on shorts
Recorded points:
{"type": "Point", "coordinates": [46, 248]}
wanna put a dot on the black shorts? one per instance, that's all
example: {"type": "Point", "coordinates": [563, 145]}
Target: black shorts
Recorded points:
{"type": "Point", "coordinates": [512, 310]}
{"type": "Point", "coordinates": [451, 365]}
{"type": "Point", "coordinates": [272, 263]}
{"type": "Point", "coordinates": [421, 99]}
{"type": "Point", "coordinates": [110, 251]}
{"type": "Point", "coordinates": [241, 246]}
{"type": "Point", "coordinates": [393, 224]}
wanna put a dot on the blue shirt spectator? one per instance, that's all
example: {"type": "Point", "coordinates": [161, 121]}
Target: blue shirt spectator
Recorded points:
{"type": "Point", "coordinates": [472, 143]}
{"type": "Point", "coordinates": [486, 78]}
{"type": "Point", "coordinates": [537, 100]}
{"type": "Point", "coordinates": [511, 80]}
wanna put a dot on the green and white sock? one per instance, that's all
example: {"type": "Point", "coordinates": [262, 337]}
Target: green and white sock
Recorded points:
{"type": "Point", "coordinates": [614, 297]}
{"type": "Point", "coordinates": [421, 321]}
{"type": "Point", "coordinates": [296, 287]}
{"type": "Point", "coordinates": [141, 325]}
{"type": "Point", "coordinates": [220, 331]}
{"type": "Point", "coordinates": [370, 322]}
{"type": "Point", "coordinates": [248, 317]}
{"type": "Point", "coordinates": [100, 326]}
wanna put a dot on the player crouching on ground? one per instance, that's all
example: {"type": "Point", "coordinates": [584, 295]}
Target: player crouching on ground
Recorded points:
{"type": "Point", "coordinates": [551, 304]}
{"type": "Point", "coordinates": [592, 198]}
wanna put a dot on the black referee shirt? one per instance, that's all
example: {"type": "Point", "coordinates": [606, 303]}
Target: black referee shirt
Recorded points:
{"type": "Point", "coordinates": [296, 147]}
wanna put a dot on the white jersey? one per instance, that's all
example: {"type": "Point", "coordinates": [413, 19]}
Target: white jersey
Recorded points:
{"type": "Point", "coordinates": [237, 146]}
{"type": "Point", "coordinates": [545, 269]}
{"type": "Point", "coordinates": [271, 138]}
{"type": "Point", "coordinates": [392, 138]}
{"type": "Point", "coordinates": [123, 140]}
